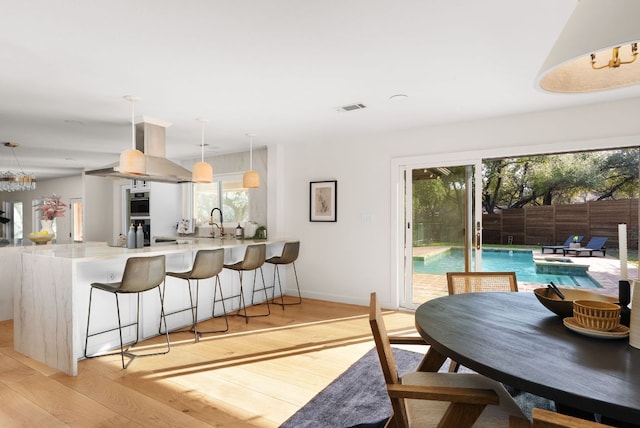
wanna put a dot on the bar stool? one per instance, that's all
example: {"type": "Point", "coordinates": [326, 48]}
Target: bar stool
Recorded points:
{"type": "Point", "coordinates": [140, 274]}
{"type": "Point", "coordinates": [289, 256]}
{"type": "Point", "coordinates": [254, 258]}
{"type": "Point", "coordinates": [207, 264]}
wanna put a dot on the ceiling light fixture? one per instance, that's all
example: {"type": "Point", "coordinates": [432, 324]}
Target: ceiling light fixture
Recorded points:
{"type": "Point", "coordinates": [398, 97]}
{"type": "Point", "coordinates": [16, 181]}
{"type": "Point", "coordinates": [597, 49]}
{"type": "Point", "coordinates": [132, 161]}
{"type": "Point", "coordinates": [202, 171]}
{"type": "Point", "coordinates": [251, 179]}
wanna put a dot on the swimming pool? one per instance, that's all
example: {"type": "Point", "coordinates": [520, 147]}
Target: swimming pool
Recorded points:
{"type": "Point", "coordinates": [519, 261]}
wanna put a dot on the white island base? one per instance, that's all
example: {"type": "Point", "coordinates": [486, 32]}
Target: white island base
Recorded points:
{"type": "Point", "coordinates": [51, 298]}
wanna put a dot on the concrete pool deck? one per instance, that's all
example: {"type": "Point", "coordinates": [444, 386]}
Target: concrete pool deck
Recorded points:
{"type": "Point", "coordinates": [604, 270]}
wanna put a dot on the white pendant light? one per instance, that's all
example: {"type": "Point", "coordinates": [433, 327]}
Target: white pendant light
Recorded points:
{"type": "Point", "coordinates": [251, 179]}
{"type": "Point", "coordinates": [202, 171]}
{"type": "Point", "coordinates": [132, 161]}
{"type": "Point", "coordinates": [597, 49]}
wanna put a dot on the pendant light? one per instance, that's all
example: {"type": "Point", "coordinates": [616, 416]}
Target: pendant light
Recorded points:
{"type": "Point", "coordinates": [16, 180]}
{"type": "Point", "coordinates": [251, 179]}
{"type": "Point", "coordinates": [132, 161]}
{"type": "Point", "coordinates": [597, 50]}
{"type": "Point", "coordinates": [202, 171]}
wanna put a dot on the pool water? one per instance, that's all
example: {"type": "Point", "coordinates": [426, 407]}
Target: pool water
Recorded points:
{"type": "Point", "coordinates": [518, 261]}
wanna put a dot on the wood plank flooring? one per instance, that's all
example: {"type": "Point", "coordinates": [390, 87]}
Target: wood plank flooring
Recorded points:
{"type": "Point", "coordinates": [256, 375]}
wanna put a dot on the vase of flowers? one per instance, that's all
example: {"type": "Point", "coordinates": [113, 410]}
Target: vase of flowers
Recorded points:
{"type": "Point", "coordinates": [51, 207]}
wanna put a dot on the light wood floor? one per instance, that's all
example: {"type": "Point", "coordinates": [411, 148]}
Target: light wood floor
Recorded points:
{"type": "Point", "coordinates": [255, 375]}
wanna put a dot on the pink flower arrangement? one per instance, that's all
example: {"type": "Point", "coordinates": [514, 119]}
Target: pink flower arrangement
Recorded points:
{"type": "Point", "coordinates": [52, 207]}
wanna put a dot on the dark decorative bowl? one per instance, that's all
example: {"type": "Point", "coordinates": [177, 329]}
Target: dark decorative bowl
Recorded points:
{"type": "Point", "coordinates": [564, 308]}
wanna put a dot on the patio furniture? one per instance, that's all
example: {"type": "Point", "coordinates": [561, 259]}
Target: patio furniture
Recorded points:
{"type": "Point", "coordinates": [430, 399]}
{"type": "Point", "coordinates": [595, 244]}
{"type": "Point", "coordinates": [570, 240]}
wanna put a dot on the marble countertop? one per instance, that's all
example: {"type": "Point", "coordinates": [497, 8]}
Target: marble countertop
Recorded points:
{"type": "Point", "coordinates": [97, 251]}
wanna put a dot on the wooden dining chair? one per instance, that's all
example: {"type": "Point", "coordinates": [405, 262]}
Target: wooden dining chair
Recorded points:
{"type": "Point", "coordinates": [431, 399]}
{"type": "Point", "coordinates": [546, 419]}
{"type": "Point", "coordinates": [476, 282]}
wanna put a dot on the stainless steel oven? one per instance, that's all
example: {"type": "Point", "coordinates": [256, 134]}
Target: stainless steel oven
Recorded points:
{"type": "Point", "coordinates": [139, 204]}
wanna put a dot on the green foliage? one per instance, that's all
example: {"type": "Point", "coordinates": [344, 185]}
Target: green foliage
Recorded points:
{"type": "Point", "coordinates": [559, 179]}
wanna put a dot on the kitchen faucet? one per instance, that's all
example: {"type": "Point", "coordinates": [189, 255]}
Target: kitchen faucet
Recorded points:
{"type": "Point", "coordinates": [220, 226]}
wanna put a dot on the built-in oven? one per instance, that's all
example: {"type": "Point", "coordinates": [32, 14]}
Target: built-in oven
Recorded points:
{"type": "Point", "coordinates": [139, 204]}
{"type": "Point", "coordinates": [139, 214]}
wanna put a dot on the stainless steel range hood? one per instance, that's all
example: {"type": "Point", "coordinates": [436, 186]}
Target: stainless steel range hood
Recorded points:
{"type": "Point", "coordinates": [150, 140]}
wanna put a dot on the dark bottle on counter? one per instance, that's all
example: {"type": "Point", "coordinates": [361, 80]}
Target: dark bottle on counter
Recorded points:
{"type": "Point", "coordinates": [239, 232]}
{"type": "Point", "coordinates": [131, 237]}
{"type": "Point", "coordinates": [139, 237]}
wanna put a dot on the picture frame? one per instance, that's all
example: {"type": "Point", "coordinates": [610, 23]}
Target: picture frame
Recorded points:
{"type": "Point", "coordinates": [323, 201]}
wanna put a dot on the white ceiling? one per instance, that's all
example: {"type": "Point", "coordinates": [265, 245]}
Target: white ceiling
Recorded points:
{"type": "Point", "coordinates": [276, 68]}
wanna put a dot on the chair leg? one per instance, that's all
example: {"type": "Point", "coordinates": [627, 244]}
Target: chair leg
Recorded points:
{"type": "Point", "coordinates": [86, 338]}
{"type": "Point", "coordinates": [217, 286]}
{"type": "Point", "coordinates": [283, 304]}
{"type": "Point", "coordinates": [276, 271]}
{"type": "Point", "coordinates": [243, 306]}
{"type": "Point", "coordinates": [263, 289]}
{"type": "Point", "coordinates": [253, 291]}
{"type": "Point", "coordinates": [127, 351]}
{"type": "Point", "coordinates": [120, 329]}
{"type": "Point", "coordinates": [193, 308]}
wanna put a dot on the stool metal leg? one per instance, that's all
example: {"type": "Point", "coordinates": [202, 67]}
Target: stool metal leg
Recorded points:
{"type": "Point", "coordinates": [243, 306]}
{"type": "Point", "coordinates": [276, 270]}
{"type": "Point", "coordinates": [193, 307]}
{"type": "Point", "coordinates": [217, 286]}
{"type": "Point", "coordinates": [126, 351]}
{"type": "Point", "coordinates": [264, 288]}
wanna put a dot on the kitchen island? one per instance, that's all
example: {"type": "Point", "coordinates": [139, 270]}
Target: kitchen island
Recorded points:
{"type": "Point", "coordinates": [51, 295]}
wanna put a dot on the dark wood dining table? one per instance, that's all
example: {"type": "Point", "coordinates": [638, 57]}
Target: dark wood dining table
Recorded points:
{"type": "Point", "coordinates": [514, 339]}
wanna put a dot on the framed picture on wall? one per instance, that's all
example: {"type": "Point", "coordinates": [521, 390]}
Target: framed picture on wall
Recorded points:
{"type": "Point", "coordinates": [323, 200]}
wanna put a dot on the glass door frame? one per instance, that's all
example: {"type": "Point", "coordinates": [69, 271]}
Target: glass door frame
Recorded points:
{"type": "Point", "coordinates": [402, 222]}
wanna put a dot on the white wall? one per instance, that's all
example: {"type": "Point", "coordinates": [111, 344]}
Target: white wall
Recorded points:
{"type": "Point", "coordinates": [67, 188]}
{"type": "Point", "coordinates": [345, 261]}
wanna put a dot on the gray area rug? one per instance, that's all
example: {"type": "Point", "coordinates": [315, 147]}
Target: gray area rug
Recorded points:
{"type": "Point", "coordinates": [358, 397]}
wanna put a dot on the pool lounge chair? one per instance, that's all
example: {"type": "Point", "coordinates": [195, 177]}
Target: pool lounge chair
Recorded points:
{"type": "Point", "coordinates": [595, 244]}
{"type": "Point", "coordinates": [566, 244]}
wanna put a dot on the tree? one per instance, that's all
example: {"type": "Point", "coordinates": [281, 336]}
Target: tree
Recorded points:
{"type": "Point", "coordinates": [559, 179]}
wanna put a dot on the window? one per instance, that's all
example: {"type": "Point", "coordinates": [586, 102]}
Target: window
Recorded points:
{"type": "Point", "coordinates": [226, 193]}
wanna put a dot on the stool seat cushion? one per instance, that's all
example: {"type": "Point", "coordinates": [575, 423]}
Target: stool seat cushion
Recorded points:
{"type": "Point", "coordinates": [110, 287]}
{"type": "Point", "coordinates": [235, 266]}
{"type": "Point", "coordinates": [181, 275]}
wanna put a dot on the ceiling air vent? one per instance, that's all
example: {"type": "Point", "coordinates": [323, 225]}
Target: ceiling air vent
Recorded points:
{"type": "Point", "coordinates": [351, 107]}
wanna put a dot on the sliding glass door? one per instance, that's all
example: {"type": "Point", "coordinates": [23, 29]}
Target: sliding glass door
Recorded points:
{"type": "Point", "coordinates": [442, 233]}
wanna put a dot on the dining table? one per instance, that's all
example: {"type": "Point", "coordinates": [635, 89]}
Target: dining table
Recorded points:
{"type": "Point", "coordinates": [512, 338]}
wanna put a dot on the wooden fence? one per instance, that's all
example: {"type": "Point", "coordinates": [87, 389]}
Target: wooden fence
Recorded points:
{"type": "Point", "coordinates": [551, 225]}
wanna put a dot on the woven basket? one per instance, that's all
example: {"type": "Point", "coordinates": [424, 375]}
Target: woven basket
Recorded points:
{"type": "Point", "coordinates": [596, 315]}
